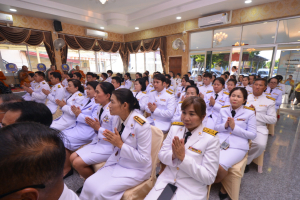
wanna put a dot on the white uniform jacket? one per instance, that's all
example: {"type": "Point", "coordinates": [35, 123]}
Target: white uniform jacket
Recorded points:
{"type": "Point", "coordinates": [265, 111]}
{"type": "Point", "coordinates": [142, 97]}
{"type": "Point", "coordinates": [205, 88]}
{"type": "Point", "coordinates": [81, 130]}
{"type": "Point", "coordinates": [133, 160]}
{"type": "Point", "coordinates": [128, 84]}
{"type": "Point", "coordinates": [222, 100]}
{"type": "Point", "coordinates": [109, 79]}
{"type": "Point", "coordinates": [68, 118]}
{"type": "Point", "coordinates": [197, 170]}
{"type": "Point", "coordinates": [173, 82]}
{"type": "Point", "coordinates": [179, 90]}
{"type": "Point", "coordinates": [178, 82]}
{"type": "Point", "coordinates": [281, 86]}
{"type": "Point", "coordinates": [38, 95]}
{"type": "Point", "coordinates": [177, 115]}
{"type": "Point", "coordinates": [121, 86]}
{"type": "Point", "coordinates": [65, 82]}
{"type": "Point", "coordinates": [245, 127]}
{"type": "Point", "coordinates": [199, 84]}
{"type": "Point", "coordinates": [239, 84]}
{"type": "Point", "coordinates": [107, 122]}
{"type": "Point", "coordinates": [162, 115]}
{"type": "Point", "coordinates": [27, 96]}
{"type": "Point", "coordinates": [248, 88]}
{"type": "Point", "coordinates": [57, 92]}
{"type": "Point", "coordinates": [276, 94]}
{"type": "Point", "coordinates": [149, 88]}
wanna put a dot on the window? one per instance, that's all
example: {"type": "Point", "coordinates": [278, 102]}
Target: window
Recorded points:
{"type": "Point", "coordinates": [288, 31]}
{"type": "Point", "coordinates": [158, 63]}
{"type": "Point", "coordinates": [116, 63]}
{"type": "Point", "coordinates": [150, 62]}
{"type": "Point", "coordinates": [38, 54]}
{"type": "Point", "coordinates": [131, 66]}
{"type": "Point", "coordinates": [87, 61]}
{"type": "Point", "coordinates": [201, 40]}
{"type": "Point", "coordinates": [73, 58]}
{"type": "Point", "coordinates": [227, 37]}
{"type": "Point", "coordinates": [140, 62]}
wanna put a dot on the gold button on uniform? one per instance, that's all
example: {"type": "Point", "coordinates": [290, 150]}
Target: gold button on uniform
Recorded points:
{"type": "Point", "coordinates": [175, 179]}
{"type": "Point", "coordinates": [177, 168]}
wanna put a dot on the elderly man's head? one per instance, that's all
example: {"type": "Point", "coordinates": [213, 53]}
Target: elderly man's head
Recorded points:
{"type": "Point", "coordinates": [24, 68]}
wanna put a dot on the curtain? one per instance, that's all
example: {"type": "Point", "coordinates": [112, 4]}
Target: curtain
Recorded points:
{"type": "Point", "coordinates": [30, 37]}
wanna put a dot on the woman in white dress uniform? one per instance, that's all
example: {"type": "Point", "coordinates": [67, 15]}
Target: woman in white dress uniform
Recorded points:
{"type": "Point", "coordinates": [231, 83]}
{"type": "Point", "coordinates": [236, 125]}
{"type": "Point", "coordinates": [98, 150]}
{"type": "Point", "coordinates": [191, 153]}
{"type": "Point", "coordinates": [140, 94]}
{"type": "Point", "coordinates": [245, 84]}
{"type": "Point", "coordinates": [130, 164]}
{"type": "Point", "coordinates": [127, 81]}
{"type": "Point", "coordinates": [76, 97]}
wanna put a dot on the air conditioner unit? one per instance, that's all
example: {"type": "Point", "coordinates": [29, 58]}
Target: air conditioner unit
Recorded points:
{"type": "Point", "coordinates": [6, 19]}
{"type": "Point", "coordinates": [213, 20]}
{"type": "Point", "coordinates": [95, 33]}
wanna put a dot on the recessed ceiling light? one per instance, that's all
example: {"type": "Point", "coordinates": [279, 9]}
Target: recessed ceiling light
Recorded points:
{"type": "Point", "coordinates": [178, 17]}
{"type": "Point", "coordinates": [101, 27]}
{"type": "Point", "coordinates": [13, 10]}
{"type": "Point", "coordinates": [273, 36]}
{"type": "Point", "coordinates": [137, 28]}
{"type": "Point", "coordinates": [196, 47]}
{"type": "Point", "coordinates": [248, 1]}
{"type": "Point", "coordinates": [298, 40]}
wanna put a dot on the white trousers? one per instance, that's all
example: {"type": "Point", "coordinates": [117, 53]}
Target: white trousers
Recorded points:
{"type": "Point", "coordinates": [257, 147]}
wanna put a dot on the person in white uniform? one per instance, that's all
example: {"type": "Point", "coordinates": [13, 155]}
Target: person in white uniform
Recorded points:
{"type": "Point", "coordinates": [239, 83]}
{"type": "Point", "coordinates": [98, 150]}
{"type": "Point", "coordinates": [245, 84]}
{"type": "Point", "coordinates": [34, 149]}
{"type": "Point", "coordinates": [130, 163]}
{"type": "Point", "coordinates": [109, 78]}
{"type": "Point", "coordinates": [173, 79]}
{"type": "Point", "coordinates": [149, 86]}
{"type": "Point", "coordinates": [181, 89]}
{"type": "Point", "coordinates": [199, 80]}
{"type": "Point", "coordinates": [27, 96]}
{"type": "Point", "coordinates": [127, 81]}
{"type": "Point", "coordinates": [178, 80]}
{"type": "Point", "coordinates": [36, 93]}
{"type": "Point", "coordinates": [104, 77]}
{"type": "Point", "coordinates": [117, 82]}
{"type": "Point", "coordinates": [171, 86]}
{"type": "Point", "coordinates": [236, 126]}
{"type": "Point", "coordinates": [191, 154]}
{"type": "Point", "coordinates": [231, 83]}
{"type": "Point", "coordinates": [207, 86]}
{"type": "Point", "coordinates": [140, 94]}
{"type": "Point", "coordinates": [280, 85]}
{"type": "Point", "coordinates": [214, 101]}
{"type": "Point", "coordinates": [76, 97]}
{"type": "Point", "coordinates": [183, 94]}
{"type": "Point", "coordinates": [65, 77]}
{"type": "Point", "coordinates": [265, 114]}
{"type": "Point", "coordinates": [274, 92]}
{"type": "Point", "coordinates": [161, 105]}
{"type": "Point", "coordinates": [57, 92]}
{"type": "Point", "coordinates": [191, 91]}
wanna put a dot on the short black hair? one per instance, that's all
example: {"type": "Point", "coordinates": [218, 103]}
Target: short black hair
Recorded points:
{"type": "Point", "coordinates": [185, 78]}
{"type": "Point", "coordinates": [220, 79]}
{"type": "Point", "coordinates": [128, 75]}
{"type": "Point", "coordinates": [178, 74]}
{"type": "Point", "coordinates": [70, 75]}
{"type": "Point", "coordinates": [142, 82]}
{"type": "Point", "coordinates": [40, 74]}
{"type": "Point", "coordinates": [56, 75]}
{"type": "Point", "coordinates": [117, 79]}
{"type": "Point", "coordinates": [93, 84]}
{"type": "Point", "coordinates": [208, 75]}
{"type": "Point", "coordinates": [168, 82]}
{"type": "Point", "coordinates": [226, 76]}
{"type": "Point", "coordinates": [105, 75]}
{"type": "Point", "coordinates": [168, 76]}
{"type": "Point", "coordinates": [273, 78]}
{"type": "Point", "coordinates": [77, 74]}
{"type": "Point", "coordinates": [160, 77]}
{"type": "Point", "coordinates": [77, 84]}
{"type": "Point", "coordinates": [190, 73]}
{"type": "Point", "coordinates": [192, 86]}
{"type": "Point", "coordinates": [139, 74]}
{"type": "Point", "coordinates": [227, 73]}
{"type": "Point", "coordinates": [94, 75]}
{"type": "Point", "coordinates": [262, 79]}
{"type": "Point", "coordinates": [232, 80]}
{"type": "Point", "coordinates": [11, 98]}
{"type": "Point", "coordinates": [90, 74]}
{"type": "Point", "coordinates": [32, 112]}
{"type": "Point", "coordinates": [30, 154]}
{"type": "Point", "coordinates": [191, 82]}
{"type": "Point", "coordinates": [124, 95]}
{"type": "Point", "coordinates": [279, 77]}
{"type": "Point", "coordinates": [109, 72]}
{"type": "Point", "coordinates": [244, 92]}
{"type": "Point", "coordinates": [31, 74]}
{"type": "Point", "coordinates": [234, 67]}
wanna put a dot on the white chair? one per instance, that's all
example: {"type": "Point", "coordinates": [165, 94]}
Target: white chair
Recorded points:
{"type": "Point", "coordinates": [285, 96]}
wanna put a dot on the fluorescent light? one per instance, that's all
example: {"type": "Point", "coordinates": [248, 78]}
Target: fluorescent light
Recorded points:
{"type": "Point", "coordinates": [273, 36]}
{"type": "Point", "coordinates": [298, 40]}
{"type": "Point", "coordinates": [248, 1]}
{"type": "Point", "coordinates": [13, 10]}
{"type": "Point", "coordinates": [137, 28]}
{"type": "Point", "coordinates": [102, 27]}
{"type": "Point", "coordinates": [178, 17]}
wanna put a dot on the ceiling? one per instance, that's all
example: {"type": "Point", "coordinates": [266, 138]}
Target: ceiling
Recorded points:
{"type": "Point", "coordinates": [122, 16]}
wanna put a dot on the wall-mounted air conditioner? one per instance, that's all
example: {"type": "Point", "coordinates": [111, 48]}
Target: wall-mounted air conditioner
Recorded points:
{"type": "Point", "coordinates": [6, 19]}
{"type": "Point", "coordinates": [95, 33]}
{"type": "Point", "coordinates": [214, 20]}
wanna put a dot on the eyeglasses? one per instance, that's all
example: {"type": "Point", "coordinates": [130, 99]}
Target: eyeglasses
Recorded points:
{"type": "Point", "coordinates": [41, 186]}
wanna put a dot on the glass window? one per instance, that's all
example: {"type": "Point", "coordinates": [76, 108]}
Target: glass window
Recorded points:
{"type": "Point", "coordinates": [263, 33]}
{"type": "Point", "coordinates": [16, 54]}
{"type": "Point", "coordinates": [140, 62]}
{"type": "Point", "coordinates": [200, 40]}
{"type": "Point", "coordinates": [235, 57]}
{"type": "Point", "coordinates": [227, 37]}
{"type": "Point", "coordinates": [116, 63]}
{"type": "Point", "coordinates": [257, 61]}
{"type": "Point", "coordinates": [38, 54]}
{"type": "Point", "coordinates": [197, 63]}
{"type": "Point", "coordinates": [73, 58]}
{"type": "Point", "coordinates": [87, 61]}
{"type": "Point", "coordinates": [288, 31]}
{"type": "Point", "coordinates": [220, 62]}
{"type": "Point", "coordinates": [131, 66]}
{"type": "Point", "coordinates": [150, 62]}
{"type": "Point", "coordinates": [158, 63]}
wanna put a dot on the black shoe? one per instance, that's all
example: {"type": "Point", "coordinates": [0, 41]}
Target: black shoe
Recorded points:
{"type": "Point", "coordinates": [222, 196]}
{"type": "Point", "coordinates": [70, 173]}
{"type": "Point", "coordinates": [247, 168]}
{"type": "Point", "coordinates": [79, 190]}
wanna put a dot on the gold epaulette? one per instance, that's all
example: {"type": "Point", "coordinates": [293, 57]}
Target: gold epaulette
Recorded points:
{"type": "Point", "coordinates": [80, 94]}
{"type": "Point", "coordinates": [280, 89]}
{"type": "Point", "coordinates": [58, 86]}
{"type": "Point", "coordinates": [226, 106]}
{"type": "Point", "coordinates": [44, 83]}
{"type": "Point", "coordinates": [152, 90]}
{"type": "Point", "coordinates": [144, 92]}
{"type": "Point", "coordinates": [210, 131]}
{"type": "Point", "coordinates": [181, 102]}
{"type": "Point", "coordinates": [139, 120]}
{"type": "Point", "coordinates": [226, 93]}
{"type": "Point", "coordinates": [249, 108]}
{"type": "Point", "coordinates": [178, 123]}
{"type": "Point", "coordinates": [271, 98]}
{"type": "Point", "coordinates": [209, 91]}
{"type": "Point", "coordinates": [169, 92]}
{"type": "Point", "coordinates": [151, 85]}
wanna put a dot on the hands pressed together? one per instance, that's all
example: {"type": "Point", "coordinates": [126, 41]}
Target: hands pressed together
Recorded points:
{"type": "Point", "coordinates": [178, 148]}
{"type": "Point", "coordinates": [212, 101]}
{"type": "Point", "coordinates": [113, 138]}
{"type": "Point", "coordinates": [152, 107]}
{"type": "Point", "coordinates": [75, 110]}
{"type": "Point", "coordinates": [27, 89]}
{"type": "Point", "coordinates": [46, 92]}
{"type": "Point", "coordinates": [95, 124]}
{"type": "Point", "coordinates": [61, 103]}
{"type": "Point", "coordinates": [230, 122]}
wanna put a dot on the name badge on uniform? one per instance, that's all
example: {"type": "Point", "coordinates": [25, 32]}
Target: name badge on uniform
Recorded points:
{"type": "Point", "coordinates": [132, 134]}
{"type": "Point", "coordinates": [195, 150]}
{"type": "Point", "coordinates": [275, 93]}
{"type": "Point", "coordinates": [106, 119]}
{"type": "Point", "coordinates": [221, 101]}
{"type": "Point", "coordinates": [163, 100]}
{"type": "Point", "coordinates": [239, 119]}
{"type": "Point", "coordinates": [73, 100]}
{"type": "Point", "coordinates": [224, 145]}
{"type": "Point", "coordinates": [90, 108]}
{"type": "Point", "coordinates": [263, 106]}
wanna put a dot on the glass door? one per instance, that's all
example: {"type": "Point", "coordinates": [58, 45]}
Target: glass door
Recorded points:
{"type": "Point", "coordinates": [197, 60]}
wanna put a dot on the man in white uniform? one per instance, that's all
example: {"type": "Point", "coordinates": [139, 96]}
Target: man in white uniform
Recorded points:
{"type": "Point", "coordinates": [36, 93]}
{"type": "Point", "coordinates": [109, 73]}
{"type": "Point", "coordinates": [265, 114]}
{"type": "Point", "coordinates": [116, 82]}
{"type": "Point", "coordinates": [207, 86]}
{"type": "Point", "coordinates": [199, 82]}
{"type": "Point", "coordinates": [274, 92]}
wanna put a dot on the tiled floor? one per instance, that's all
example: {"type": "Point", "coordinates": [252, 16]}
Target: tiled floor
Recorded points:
{"type": "Point", "coordinates": [281, 171]}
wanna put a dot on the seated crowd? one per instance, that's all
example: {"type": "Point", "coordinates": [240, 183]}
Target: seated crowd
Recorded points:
{"type": "Point", "coordinates": [73, 124]}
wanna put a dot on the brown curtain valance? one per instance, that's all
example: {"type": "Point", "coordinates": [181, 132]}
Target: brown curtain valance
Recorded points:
{"type": "Point", "coordinates": [30, 37]}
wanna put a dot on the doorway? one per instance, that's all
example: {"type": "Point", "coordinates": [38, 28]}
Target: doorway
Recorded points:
{"type": "Point", "coordinates": [175, 64]}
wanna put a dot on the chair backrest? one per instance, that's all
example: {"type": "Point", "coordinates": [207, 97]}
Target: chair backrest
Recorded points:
{"type": "Point", "coordinates": [157, 140]}
{"type": "Point", "coordinates": [288, 89]}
